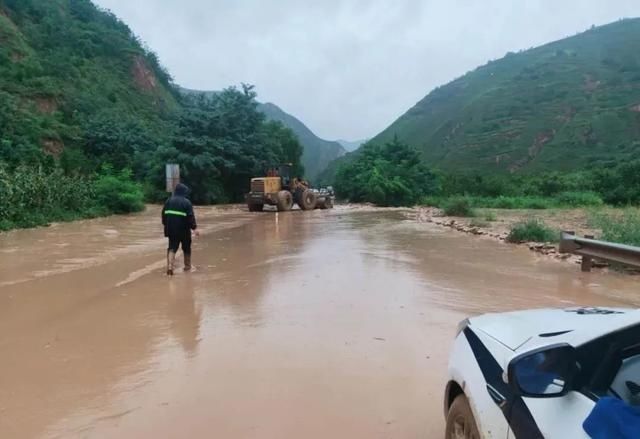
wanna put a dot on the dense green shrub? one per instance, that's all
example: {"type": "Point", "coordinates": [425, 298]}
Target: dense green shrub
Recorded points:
{"type": "Point", "coordinates": [458, 206]}
{"type": "Point", "coordinates": [33, 196]}
{"type": "Point", "coordinates": [618, 185]}
{"type": "Point", "coordinates": [118, 193]}
{"type": "Point", "coordinates": [532, 230]}
{"type": "Point", "coordinates": [500, 202]}
{"type": "Point", "coordinates": [388, 175]}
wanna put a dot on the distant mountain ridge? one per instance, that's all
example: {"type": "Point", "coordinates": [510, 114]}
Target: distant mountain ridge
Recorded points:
{"type": "Point", "coordinates": [565, 105]}
{"type": "Point", "coordinates": [350, 146]}
{"type": "Point", "coordinates": [318, 153]}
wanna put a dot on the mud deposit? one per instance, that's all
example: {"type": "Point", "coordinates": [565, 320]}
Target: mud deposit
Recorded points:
{"type": "Point", "coordinates": [301, 325]}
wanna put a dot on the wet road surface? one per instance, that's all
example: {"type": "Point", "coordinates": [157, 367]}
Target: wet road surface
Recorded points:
{"type": "Point", "coordinates": [307, 324]}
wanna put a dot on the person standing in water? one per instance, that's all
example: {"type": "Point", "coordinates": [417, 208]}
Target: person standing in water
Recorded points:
{"type": "Point", "coordinates": [178, 220]}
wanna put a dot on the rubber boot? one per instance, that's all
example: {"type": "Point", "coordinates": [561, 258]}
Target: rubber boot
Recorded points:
{"type": "Point", "coordinates": [187, 262]}
{"type": "Point", "coordinates": [171, 260]}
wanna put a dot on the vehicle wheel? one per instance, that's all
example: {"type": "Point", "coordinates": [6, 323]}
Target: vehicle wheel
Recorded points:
{"type": "Point", "coordinates": [460, 421]}
{"type": "Point", "coordinates": [285, 201]}
{"type": "Point", "coordinates": [308, 200]}
{"type": "Point", "coordinates": [322, 204]}
{"type": "Point", "coordinates": [328, 203]}
{"type": "Point", "coordinates": [256, 207]}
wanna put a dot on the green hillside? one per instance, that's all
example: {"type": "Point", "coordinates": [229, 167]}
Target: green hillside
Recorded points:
{"type": "Point", "coordinates": [89, 118]}
{"type": "Point", "coordinates": [75, 81]}
{"type": "Point", "coordinates": [566, 105]}
{"type": "Point", "coordinates": [318, 153]}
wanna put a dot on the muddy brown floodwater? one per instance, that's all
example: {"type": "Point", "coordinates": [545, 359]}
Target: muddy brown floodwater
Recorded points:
{"type": "Point", "coordinates": [325, 324]}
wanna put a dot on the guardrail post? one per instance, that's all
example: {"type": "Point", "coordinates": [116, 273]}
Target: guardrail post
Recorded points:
{"type": "Point", "coordinates": [587, 261]}
{"type": "Point", "coordinates": [566, 245]}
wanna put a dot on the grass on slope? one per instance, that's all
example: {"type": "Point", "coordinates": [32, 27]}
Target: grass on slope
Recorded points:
{"type": "Point", "coordinates": [69, 73]}
{"type": "Point", "coordinates": [565, 105]}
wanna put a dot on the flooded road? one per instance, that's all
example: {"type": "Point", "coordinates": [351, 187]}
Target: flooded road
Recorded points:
{"type": "Point", "coordinates": [324, 324]}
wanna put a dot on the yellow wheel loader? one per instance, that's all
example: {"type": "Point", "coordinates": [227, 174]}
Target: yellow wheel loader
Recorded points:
{"type": "Point", "coordinates": [279, 189]}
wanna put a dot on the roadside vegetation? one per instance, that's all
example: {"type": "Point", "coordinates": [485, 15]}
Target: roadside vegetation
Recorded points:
{"type": "Point", "coordinates": [220, 143]}
{"type": "Point", "coordinates": [458, 206]}
{"type": "Point", "coordinates": [559, 201]}
{"type": "Point", "coordinates": [31, 197]}
{"type": "Point", "coordinates": [391, 174]}
{"type": "Point", "coordinates": [89, 118]}
{"type": "Point", "coordinates": [621, 226]}
{"type": "Point", "coordinates": [532, 230]}
{"type": "Point", "coordinates": [613, 184]}
{"type": "Point", "coordinates": [373, 175]}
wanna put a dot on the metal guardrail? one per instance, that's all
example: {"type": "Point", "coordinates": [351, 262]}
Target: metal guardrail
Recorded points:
{"type": "Point", "coordinates": [590, 249]}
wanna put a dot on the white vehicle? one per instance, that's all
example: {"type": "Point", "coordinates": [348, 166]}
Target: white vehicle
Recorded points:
{"type": "Point", "coordinates": [539, 373]}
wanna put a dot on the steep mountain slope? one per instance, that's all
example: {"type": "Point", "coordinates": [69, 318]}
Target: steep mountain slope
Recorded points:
{"type": "Point", "coordinates": [318, 153]}
{"type": "Point", "coordinates": [74, 78]}
{"type": "Point", "coordinates": [565, 105]}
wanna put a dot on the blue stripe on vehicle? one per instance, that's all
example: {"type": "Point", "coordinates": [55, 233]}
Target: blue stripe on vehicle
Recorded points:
{"type": "Point", "coordinates": [513, 408]}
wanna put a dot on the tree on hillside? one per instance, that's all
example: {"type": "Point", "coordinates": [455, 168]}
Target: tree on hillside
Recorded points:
{"type": "Point", "coordinates": [387, 175]}
{"type": "Point", "coordinates": [287, 146]}
{"type": "Point", "coordinates": [223, 140]}
{"type": "Point", "coordinates": [618, 185]}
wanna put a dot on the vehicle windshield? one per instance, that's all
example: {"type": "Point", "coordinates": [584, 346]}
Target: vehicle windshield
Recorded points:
{"type": "Point", "coordinates": [610, 366]}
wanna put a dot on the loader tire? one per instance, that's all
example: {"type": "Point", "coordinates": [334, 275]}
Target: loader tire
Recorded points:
{"type": "Point", "coordinates": [308, 200]}
{"type": "Point", "coordinates": [285, 201]}
{"type": "Point", "coordinates": [328, 203]}
{"type": "Point", "coordinates": [256, 207]}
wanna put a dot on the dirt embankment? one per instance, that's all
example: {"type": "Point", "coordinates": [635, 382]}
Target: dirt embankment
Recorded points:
{"type": "Point", "coordinates": [144, 78]}
{"type": "Point", "coordinates": [566, 219]}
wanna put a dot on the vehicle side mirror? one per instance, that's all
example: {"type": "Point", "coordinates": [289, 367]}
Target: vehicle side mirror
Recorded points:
{"type": "Point", "coordinates": [543, 373]}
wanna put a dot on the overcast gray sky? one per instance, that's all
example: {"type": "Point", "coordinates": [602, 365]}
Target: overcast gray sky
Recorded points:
{"type": "Point", "coordinates": [348, 68]}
